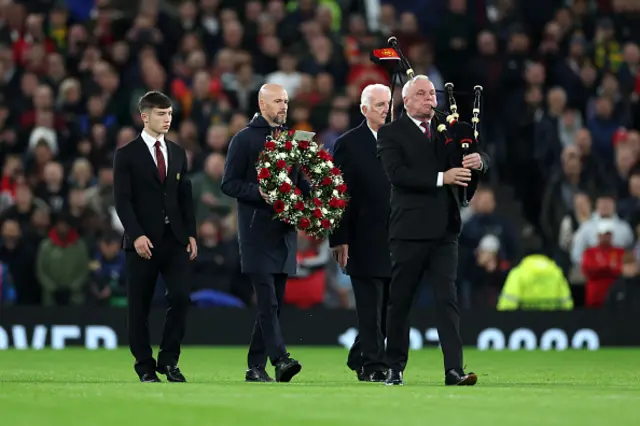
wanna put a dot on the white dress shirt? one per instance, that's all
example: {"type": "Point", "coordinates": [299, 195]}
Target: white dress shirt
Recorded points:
{"type": "Point", "coordinates": [150, 141]}
{"type": "Point", "coordinates": [375, 134]}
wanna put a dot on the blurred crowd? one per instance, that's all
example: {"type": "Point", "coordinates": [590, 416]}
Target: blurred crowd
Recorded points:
{"type": "Point", "coordinates": [561, 121]}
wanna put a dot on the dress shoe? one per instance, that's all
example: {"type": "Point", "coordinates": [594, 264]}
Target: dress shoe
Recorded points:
{"type": "Point", "coordinates": [286, 368]}
{"type": "Point", "coordinates": [173, 373]}
{"type": "Point", "coordinates": [257, 374]}
{"type": "Point", "coordinates": [149, 378]}
{"type": "Point", "coordinates": [376, 376]}
{"type": "Point", "coordinates": [456, 377]}
{"type": "Point", "coordinates": [360, 374]}
{"type": "Point", "coordinates": [394, 378]}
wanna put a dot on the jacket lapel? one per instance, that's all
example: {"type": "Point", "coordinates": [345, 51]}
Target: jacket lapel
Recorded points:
{"type": "Point", "coordinates": [369, 141]}
{"type": "Point", "coordinates": [414, 130]}
{"type": "Point", "coordinates": [146, 153]}
{"type": "Point", "coordinates": [169, 158]}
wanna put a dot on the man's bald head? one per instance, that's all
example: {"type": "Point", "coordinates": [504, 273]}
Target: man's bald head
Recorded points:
{"type": "Point", "coordinates": [273, 102]}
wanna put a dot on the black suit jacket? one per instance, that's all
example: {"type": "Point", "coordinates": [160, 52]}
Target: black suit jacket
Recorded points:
{"type": "Point", "coordinates": [419, 208]}
{"type": "Point", "coordinates": [142, 201]}
{"type": "Point", "coordinates": [364, 225]}
{"type": "Point", "coordinates": [267, 244]}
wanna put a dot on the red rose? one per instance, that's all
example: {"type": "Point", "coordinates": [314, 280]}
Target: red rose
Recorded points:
{"type": "Point", "coordinates": [278, 206]}
{"type": "Point", "coordinates": [326, 181]}
{"type": "Point", "coordinates": [299, 205]}
{"type": "Point", "coordinates": [317, 213]}
{"type": "Point", "coordinates": [303, 144]}
{"type": "Point", "coordinates": [291, 132]}
{"type": "Point", "coordinates": [289, 169]}
{"type": "Point", "coordinates": [297, 191]}
{"type": "Point", "coordinates": [281, 164]}
{"type": "Point", "coordinates": [325, 223]}
{"type": "Point", "coordinates": [270, 145]}
{"type": "Point", "coordinates": [288, 146]}
{"type": "Point", "coordinates": [334, 203]}
{"type": "Point", "coordinates": [304, 223]}
{"type": "Point", "coordinates": [264, 173]}
{"type": "Point", "coordinates": [317, 202]}
{"type": "Point", "coordinates": [322, 154]}
{"type": "Point", "coordinates": [342, 188]}
{"type": "Point", "coordinates": [285, 188]}
{"type": "Point", "coordinates": [335, 171]}
{"type": "Point", "coordinates": [342, 204]}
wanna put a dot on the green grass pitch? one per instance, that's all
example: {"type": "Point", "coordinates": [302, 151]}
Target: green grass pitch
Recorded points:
{"type": "Point", "coordinates": [91, 388]}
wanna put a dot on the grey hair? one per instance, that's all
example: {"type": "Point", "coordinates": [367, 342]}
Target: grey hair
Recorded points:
{"type": "Point", "coordinates": [365, 97]}
{"type": "Point", "coordinates": [408, 84]}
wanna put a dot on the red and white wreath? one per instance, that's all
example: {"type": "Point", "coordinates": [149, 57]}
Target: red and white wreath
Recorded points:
{"type": "Point", "coordinates": [318, 214]}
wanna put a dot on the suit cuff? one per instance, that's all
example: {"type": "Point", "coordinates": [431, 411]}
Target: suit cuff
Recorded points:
{"type": "Point", "coordinates": [481, 166]}
{"type": "Point", "coordinates": [440, 179]}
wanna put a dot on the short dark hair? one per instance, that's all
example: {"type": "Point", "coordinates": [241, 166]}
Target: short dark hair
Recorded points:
{"type": "Point", "coordinates": [154, 99]}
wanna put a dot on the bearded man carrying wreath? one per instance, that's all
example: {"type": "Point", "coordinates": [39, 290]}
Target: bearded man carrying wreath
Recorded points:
{"type": "Point", "coordinates": [267, 245]}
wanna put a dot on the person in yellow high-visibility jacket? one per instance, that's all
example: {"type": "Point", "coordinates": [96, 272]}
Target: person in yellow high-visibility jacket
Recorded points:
{"type": "Point", "coordinates": [537, 283]}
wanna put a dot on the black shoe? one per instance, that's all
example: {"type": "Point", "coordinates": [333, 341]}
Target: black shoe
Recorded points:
{"type": "Point", "coordinates": [149, 377]}
{"type": "Point", "coordinates": [394, 378]}
{"type": "Point", "coordinates": [257, 374]}
{"type": "Point", "coordinates": [286, 368]}
{"type": "Point", "coordinates": [376, 376]}
{"type": "Point", "coordinates": [173, 373]}
{"type": "Point", "coordinates": [459, 378]}
{"type": "Point", "coordinates": [360, 374]}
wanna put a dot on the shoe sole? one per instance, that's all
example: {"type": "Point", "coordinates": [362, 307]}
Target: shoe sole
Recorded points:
{"type": "Point", "coordinates": [393, 384]}
{"type": "Point", "coordinates": [469, 380]}
{"type": "Point", "coordinates": [289, 373]}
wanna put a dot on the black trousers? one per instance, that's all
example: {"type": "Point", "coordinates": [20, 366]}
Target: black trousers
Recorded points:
{"type": "Point", "coordinates": [170, 259]}
{"type": "Point", "coordinates": [266, 338]}
{"type": "Point", "coordinates": [367, 351]}
{"type": "Point", "coordinates": [409, 261]}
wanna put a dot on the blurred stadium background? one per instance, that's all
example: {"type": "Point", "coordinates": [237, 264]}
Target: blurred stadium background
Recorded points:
{"type": "Point", "coordinates": [560, 207]}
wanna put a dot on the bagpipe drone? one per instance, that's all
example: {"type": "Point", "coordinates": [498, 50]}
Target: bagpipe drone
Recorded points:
{"type": "Point", "coordinates": [461, 138]}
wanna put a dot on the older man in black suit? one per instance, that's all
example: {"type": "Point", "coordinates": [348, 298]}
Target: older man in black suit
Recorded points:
{"type": "Point", "coordinates": [361, 241]}
{"type": "Point", "coordinates": [424, 225]}
{"type": "Point", "coordinates": [267, 246]}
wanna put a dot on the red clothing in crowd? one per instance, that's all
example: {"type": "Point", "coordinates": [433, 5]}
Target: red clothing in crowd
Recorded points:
{"type": "Point", "coordinates": [306, 292]}
{"type": "Point", "coordinates": [601, 265]}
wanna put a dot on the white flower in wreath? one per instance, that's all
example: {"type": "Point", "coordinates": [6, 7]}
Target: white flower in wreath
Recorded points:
{"type": "Point", "coordinates": [335, 192]}
{"type": "Point", "coordinates": [331, 220]}
{"type": "Point", "coordinates": [324, 211]}
{"type": "Point", "coordinates": [317, 170]}
{"type": "Point", "coordinates": [330, 164]}
{"type": "Point", "coordinates": [319, 193]}
{"type": "Point", "coordinates": [286, 207]}
{"type": "Point", "coordinates": [267, 164]}
{"type": "Point", "coordinates": [281, 155]}
{"type": "Point", "coordinates": [293, 196]}
{"type": "Point", "coordinates": [282, 177]}
{"type": "Point", "coordinates": [313, 148]}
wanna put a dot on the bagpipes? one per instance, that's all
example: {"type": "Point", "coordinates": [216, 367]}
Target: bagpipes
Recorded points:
{"type": "Point", "coordinates": [461, 138]}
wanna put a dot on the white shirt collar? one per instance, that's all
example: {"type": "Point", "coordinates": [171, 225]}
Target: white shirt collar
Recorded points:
{"type": "Point", "coordinates": [375, 134]}
{"type": "Point", "coordinates": [150, 140]}
{"type": "Point", "coordinates": [418, 122]}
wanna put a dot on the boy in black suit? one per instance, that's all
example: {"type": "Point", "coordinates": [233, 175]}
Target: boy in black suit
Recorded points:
{"type": "Point", "coordinates": [154, 203]}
